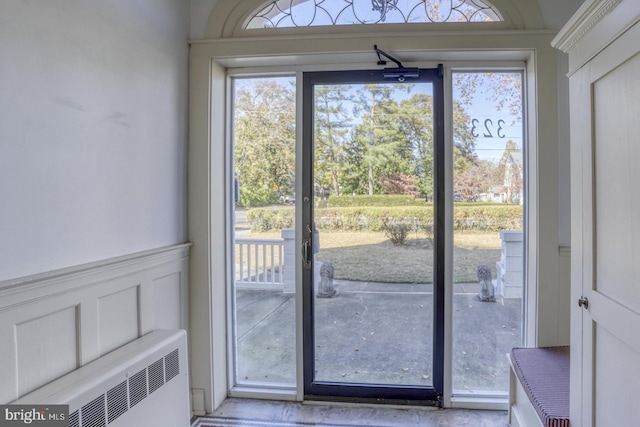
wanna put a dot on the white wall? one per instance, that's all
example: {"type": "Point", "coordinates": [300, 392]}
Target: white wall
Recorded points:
{"type": "Point", "coordinates": [564, 175]}
{"type": "Point", "coordinates": [93, 125]}
{"type": "Point", "coordinates": [556, 13]}
{"type": "Point", "coordinates": [200, 12]}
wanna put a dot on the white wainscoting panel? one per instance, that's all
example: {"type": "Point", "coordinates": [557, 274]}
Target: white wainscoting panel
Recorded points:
{"type": "Point", "coordinates": [118, 319]}
{"type": "Point", "coordinates": [165, 296]}
{"type": "Point", "coordinates": [56, 322]}
{"type": "Point", "coordinates": [46, 348]}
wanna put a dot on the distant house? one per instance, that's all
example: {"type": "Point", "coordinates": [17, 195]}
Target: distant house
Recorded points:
{"type": "Point", "coordinates": [513, 188]}
{"type": "Point", "coordinates": [495, 194]}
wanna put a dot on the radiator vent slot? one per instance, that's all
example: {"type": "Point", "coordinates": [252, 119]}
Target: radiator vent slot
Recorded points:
{"type": "Point", "coordinates": [172, 365]}
{"type": "Point", "coordinates": [93, 413]}
{"type": "Point", "coordinates": [156, 375]}
{"type": "Point", "coordinates": [74, 419]}
{"type": "Point", "coordinates": [117, 401]}
{"type": "Point", "coordinates": [138, 387]}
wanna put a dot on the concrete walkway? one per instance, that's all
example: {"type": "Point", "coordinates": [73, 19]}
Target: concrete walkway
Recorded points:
{"type": "Point", "coordinates": [378, 333]}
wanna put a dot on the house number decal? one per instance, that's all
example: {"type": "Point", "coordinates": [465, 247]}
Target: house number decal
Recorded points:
{"type": "Point", "coordinates": [488, 126]}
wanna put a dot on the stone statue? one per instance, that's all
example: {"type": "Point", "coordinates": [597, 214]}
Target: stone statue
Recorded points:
{"type": "Point", "coordinates": [487, 293]}
{"type": "Point", "coordinates": [326, 288]}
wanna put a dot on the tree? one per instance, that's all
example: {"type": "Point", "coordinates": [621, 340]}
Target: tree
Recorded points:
{"type": "Point", "coordinates": [464, 143]}
{"type": "Point", "coordinates": [398, 184]}
{"type": "Point", "coordinates": [376, 135]}
{"type": "Point", "coordinates": [264, 140]}
{"type": "Point", "coordinates": [352, 180]}
{"type": "Point", "coordinates": [480, 177]}
{"type": "Point", "coordinates": [368, 138]}
{"type": "Point", "coordinates": [416, 125]}
{"type": "Point", "coordinates": [331, 131]}
{"type": "Point", "coordinates": [394, 138]}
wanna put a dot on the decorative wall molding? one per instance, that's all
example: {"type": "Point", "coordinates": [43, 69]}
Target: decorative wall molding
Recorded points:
{"type": "Point", "coordinates": [596, 25]}
{"type": "Point", "coordinates": [589, 14]}
{"type": "Point", "coordinates": [56, 322]}
{"type": "Point", "coordinates": [150, 258]}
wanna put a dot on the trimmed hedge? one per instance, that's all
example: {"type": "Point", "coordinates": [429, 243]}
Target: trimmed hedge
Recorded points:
{"type": "Point", "coordinates": [466, 216]}
{"type": "Point", "coordinates": [270, 219]}
{"type": "Point", "coordinates": [489, 217]}
{"type": "Point", "coordinates": [375, 200]}
{"type": "Point", "coordinates": [372, 218]}
{"type": "Point", "coordinates": [387, 200]}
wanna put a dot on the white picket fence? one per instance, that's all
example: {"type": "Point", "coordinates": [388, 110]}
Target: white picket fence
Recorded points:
{"type": "Point", "coordinates": [259, 263]}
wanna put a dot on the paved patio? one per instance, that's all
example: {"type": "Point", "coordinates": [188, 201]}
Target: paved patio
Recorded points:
{"type": "Point", "coordinates": [378, 333]}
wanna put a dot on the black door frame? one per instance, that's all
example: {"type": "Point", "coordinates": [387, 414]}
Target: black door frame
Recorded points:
{"type": "Point", "coordinates": [321, 390]}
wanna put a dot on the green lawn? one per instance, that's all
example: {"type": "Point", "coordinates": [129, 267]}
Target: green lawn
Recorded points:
{"type": "Point", "coordinates": [370, 256]}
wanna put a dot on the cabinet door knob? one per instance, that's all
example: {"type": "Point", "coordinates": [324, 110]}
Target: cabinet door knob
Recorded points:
{"type": "Point", "coordinates": [583, 302]}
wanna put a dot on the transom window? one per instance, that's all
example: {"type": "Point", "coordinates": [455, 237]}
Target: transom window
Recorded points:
{"type": "Point", "coordinates": [306, 13]}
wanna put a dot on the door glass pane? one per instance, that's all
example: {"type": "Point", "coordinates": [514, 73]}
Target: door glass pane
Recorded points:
{"type": "Point", "coordinates": [488, 228]}
{"type": "Point", "coordinates": [373, 212]}
{"type": "Point", "coordinates": [263, 289]}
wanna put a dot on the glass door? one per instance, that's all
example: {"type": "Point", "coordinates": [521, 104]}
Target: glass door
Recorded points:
{"type": "Point", "coordinates": [373, 235]}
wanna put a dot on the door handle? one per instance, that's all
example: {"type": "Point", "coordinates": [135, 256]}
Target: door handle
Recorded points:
{"type": "Point", "coordinates": [306, 253]}
{"type": "Point", "coordinates": [583, 302]}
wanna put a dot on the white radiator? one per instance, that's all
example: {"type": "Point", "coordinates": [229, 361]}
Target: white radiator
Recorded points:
{"type": "Point", "coordinates": [144, 383]}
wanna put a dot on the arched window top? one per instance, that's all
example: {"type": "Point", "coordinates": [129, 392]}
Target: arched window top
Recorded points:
{"type": "Point", "coordinates": [311, 13]}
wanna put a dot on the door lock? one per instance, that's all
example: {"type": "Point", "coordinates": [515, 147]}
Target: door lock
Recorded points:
{"type": "Point", "coordinates": [583, 302]}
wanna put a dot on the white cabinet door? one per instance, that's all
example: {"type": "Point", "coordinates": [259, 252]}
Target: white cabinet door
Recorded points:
{"type": "Point", "coordinates": [606, 139]}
